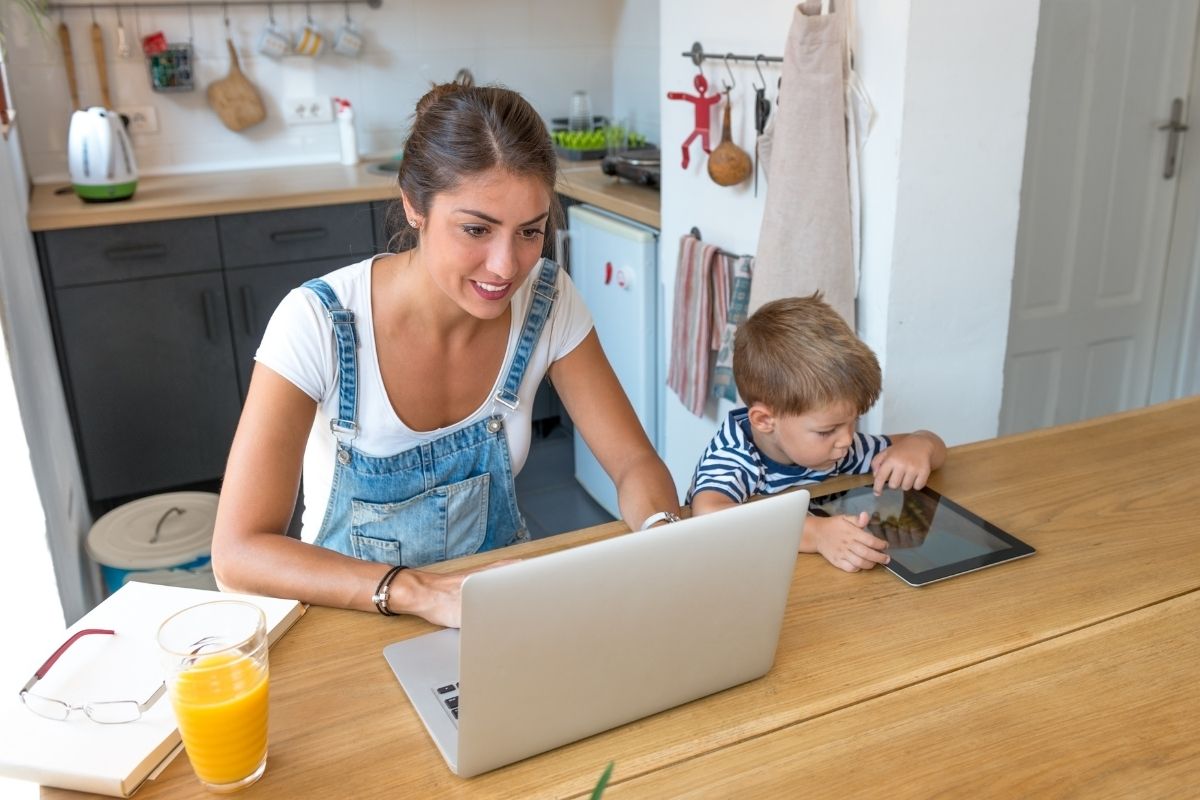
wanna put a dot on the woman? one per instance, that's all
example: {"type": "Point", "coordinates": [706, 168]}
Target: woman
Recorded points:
{"type": "Point", "coordinates": [419, 369]}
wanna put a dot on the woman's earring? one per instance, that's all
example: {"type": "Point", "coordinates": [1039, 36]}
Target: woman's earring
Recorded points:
{"type": "Point", "coordinates": [414, 223]}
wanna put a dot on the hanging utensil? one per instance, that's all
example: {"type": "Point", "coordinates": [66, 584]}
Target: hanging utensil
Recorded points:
{"type": "Point", "coordinates": [64, 41]}
{"type": "Point", "coordinates": [762, 110]}
{"type": "Point", "coordinates": [728, 164]}
{"type": "Point", "coordinates": [101, 66]}
{"type": "Point", "coordinates": [124, 50]}
{"type": "Point", "coordinates": [234, 97]}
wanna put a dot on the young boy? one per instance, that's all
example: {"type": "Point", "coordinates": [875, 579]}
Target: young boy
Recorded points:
{"type": "Point", "coordinates": [805, 378]}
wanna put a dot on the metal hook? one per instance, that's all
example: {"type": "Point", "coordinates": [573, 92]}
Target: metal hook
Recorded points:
{"type": "Point", "coordinates": [225, 14]}
{"type": "Point", "coordinates": [271, 14]}
{"type": "Point", "coordinates": [93, 10]}
{"type": "Point", "coordinates": [308, 13]}
{"type": "Point", "coordinates": [732, 83]}
{"type": "Point", "coordinates": [760, 75]}
{"type": "Point", "coordinates": [347, 6]}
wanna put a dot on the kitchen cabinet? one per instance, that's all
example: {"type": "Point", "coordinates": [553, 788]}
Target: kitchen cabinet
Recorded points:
{"type": "Point", "coordinates": [156, 326]}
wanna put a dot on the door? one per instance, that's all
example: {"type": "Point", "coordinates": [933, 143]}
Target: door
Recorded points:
{"type": "Point", "coordinates": [153, 387]}
{"type": "Point", "coordinates": [254, 292]}
{"type": "Point", "coordinates": [614, 265]}
{"type": "Point", "coordinates": [1096, 209]}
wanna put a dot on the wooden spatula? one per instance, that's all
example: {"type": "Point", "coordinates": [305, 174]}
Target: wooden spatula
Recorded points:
{"type": "Point", "coordinates": [234, 97]}
{"type": "Point", "coordinates": [101, 65]}
{"type": "Point", "coordinates": [64, 40]}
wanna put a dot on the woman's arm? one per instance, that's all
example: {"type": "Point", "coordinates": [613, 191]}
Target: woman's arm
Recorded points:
{"type": "Point", "coordinates": [602, 413]}
{"type": "Point", "coordinates": [250, 552]}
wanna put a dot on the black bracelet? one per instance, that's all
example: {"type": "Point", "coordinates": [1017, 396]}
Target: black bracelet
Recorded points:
{"type": "Point", "coordinates": [380, 598]}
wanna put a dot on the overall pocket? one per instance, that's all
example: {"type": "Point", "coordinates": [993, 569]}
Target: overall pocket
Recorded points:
{"type": "Point", "coordinates": [443, 523]}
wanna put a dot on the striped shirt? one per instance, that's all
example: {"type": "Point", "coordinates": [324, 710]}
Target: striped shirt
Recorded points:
{"type": "Point", "coordinates": [735, 467]}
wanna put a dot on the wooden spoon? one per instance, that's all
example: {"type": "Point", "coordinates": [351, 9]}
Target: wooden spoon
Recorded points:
{"type": "Point", "coordinates": [728, 164]}
{"type": "Point", "coordinates": [101, 66]}
{"type": "Point", "coordinates": [64, 40]}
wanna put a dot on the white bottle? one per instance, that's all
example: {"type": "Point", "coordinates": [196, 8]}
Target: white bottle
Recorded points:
{"type": "Point", "coordinates": [345, 120]}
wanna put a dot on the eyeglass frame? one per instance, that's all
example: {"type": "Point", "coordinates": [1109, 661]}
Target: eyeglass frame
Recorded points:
{"type": "Point", "coordinates": [86, 708]}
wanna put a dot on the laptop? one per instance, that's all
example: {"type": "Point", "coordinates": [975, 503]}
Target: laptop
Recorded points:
{"type": "Point", "coordinates": [559, 647]}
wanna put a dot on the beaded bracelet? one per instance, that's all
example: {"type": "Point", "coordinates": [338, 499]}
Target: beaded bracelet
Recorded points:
{"type": "Point", "coordinates": [380, 598]}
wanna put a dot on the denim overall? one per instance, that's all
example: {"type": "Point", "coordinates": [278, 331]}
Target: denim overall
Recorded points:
{"type": "Point", "coordinates": [444, 498]}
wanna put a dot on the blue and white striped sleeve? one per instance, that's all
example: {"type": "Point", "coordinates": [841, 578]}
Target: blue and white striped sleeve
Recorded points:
{"type": "Point", "coordinates": [864, 448]}
{"type": "Point", "coordinates": [726, 466]}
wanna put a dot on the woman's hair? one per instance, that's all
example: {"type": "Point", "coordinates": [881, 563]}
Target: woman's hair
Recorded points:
{"type": "Point", "coordinates": [460, 130]}
{"type": "Point", "coordinates": [797, 354]}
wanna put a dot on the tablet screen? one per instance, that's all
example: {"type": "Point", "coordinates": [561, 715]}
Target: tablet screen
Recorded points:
{"type": "Point", "coordinates": [929, 536]}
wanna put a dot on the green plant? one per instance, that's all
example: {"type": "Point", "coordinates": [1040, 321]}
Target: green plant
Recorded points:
{"type": "Point", "coordinates": [603, 782]}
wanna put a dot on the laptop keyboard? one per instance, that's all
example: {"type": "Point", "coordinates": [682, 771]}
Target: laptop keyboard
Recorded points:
{"type": "Point", "coordinates": [448, 695]}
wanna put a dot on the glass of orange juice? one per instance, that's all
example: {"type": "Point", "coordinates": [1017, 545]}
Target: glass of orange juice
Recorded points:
{"type": "Point", "coordinates": [215, 656]}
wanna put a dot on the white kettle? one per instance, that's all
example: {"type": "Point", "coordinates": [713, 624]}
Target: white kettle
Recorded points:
{"type": "Point", "coordinates": [100, 156]}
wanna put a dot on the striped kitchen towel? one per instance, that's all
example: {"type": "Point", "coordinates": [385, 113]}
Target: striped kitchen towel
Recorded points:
{"type": "Point", "coordinates": [692, 324]}
{"type": "Point", "coordinates": [742, 270]}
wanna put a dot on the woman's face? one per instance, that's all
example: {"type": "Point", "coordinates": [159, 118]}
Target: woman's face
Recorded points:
{"type": "Point", "coordinates": [481, 240]}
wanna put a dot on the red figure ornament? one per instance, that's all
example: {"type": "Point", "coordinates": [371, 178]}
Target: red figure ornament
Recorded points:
{"type": "Point", "coordinates": [703, 104]}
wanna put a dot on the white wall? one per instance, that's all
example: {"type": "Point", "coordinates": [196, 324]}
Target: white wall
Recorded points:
{"type": "Point", "coordinates": [728, 217]}
{"type": "Point", "coordinates": [635, 68]}
{"type": "Point", "coordinates": [941, 179]}
{"type": "Point", "coordinates": [543, 48]}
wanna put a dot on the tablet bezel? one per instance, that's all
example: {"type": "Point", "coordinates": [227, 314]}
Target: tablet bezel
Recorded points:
{"type": "Point", "coordinates": [1016, 547]}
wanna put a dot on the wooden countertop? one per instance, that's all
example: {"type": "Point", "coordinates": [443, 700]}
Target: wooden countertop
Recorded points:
{"type": "Point", "coordinates": [957, 676]}
{"type": "Point", "coordinates": [165, 197]}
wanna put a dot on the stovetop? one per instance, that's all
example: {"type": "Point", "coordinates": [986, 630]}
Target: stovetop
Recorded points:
{"type": "Point", "coordinates": [638, 166]}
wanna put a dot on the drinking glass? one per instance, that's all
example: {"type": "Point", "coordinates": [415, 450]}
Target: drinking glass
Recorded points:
{"type": "Point", "coordinates": [579, 118]}
{"type": "Point", "coordinates": [215, 656]}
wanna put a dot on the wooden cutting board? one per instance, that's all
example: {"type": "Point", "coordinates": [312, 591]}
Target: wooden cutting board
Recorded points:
{"type": "Point", "coordinates": [234, 97]}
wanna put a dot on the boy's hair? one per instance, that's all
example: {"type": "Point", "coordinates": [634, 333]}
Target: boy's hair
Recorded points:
{"type": "Point", "coordinates": [797, 354]}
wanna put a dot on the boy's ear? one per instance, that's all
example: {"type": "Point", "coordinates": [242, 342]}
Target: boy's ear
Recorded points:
{"type": "Point", "coordinates": [762, 419]}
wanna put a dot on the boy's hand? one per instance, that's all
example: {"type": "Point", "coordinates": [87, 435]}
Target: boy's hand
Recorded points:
{"type": "Point", "coordinates": [908, 462]}
{"type": "Point", "coordinates": [844, 543]}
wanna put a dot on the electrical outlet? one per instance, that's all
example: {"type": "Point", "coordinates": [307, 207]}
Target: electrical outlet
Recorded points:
{"type": "Point", "coordinates": [142, 119]}
{"type": "Point", "coordinates": [306, 110]}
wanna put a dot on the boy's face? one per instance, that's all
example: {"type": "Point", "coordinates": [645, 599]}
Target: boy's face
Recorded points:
{"type": "Point", "coordinates": [816, 439]}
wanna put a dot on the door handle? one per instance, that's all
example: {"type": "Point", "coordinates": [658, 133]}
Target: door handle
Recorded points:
{"type": "Point", "coordinates": [298, 235]}
{"type": "Point", "coordinates": [248, 309]}
{"type": "Point", "coordinates": [1174, 127]}
{"type": "Point", "coordinates": [210, 313]}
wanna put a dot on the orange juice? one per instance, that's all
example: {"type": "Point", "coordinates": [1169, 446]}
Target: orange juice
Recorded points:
{"type": "Point", "coordinates": [221, 705]}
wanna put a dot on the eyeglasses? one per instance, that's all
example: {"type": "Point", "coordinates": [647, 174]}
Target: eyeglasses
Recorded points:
{"type": "Point", "coordinates": [110, 712]}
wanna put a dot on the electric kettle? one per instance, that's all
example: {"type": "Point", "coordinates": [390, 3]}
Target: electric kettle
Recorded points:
{"type": "Point", "coordinates": [100, 156]}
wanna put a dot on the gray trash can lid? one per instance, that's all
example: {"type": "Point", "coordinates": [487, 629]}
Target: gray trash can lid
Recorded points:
{"type": "Point", "coordinates": [163, 530]}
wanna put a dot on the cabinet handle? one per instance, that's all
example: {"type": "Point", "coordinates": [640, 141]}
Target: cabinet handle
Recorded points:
{"type": "Point", "coordinates": [208, 302]}
{"type": "Point", "coordinates": [136, 252]}
{"type": "Point", "coordinates": [298, 235]}
{"type": "Point", "coordinates": [248, 309]}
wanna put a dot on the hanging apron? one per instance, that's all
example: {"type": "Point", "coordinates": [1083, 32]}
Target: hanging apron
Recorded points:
{"type": "Point", "coordinates": [444, 498]}
{"type": "Point", "coordinates": [805, 242]}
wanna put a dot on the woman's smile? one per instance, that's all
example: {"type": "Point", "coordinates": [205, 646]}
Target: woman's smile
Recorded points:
{"type": "Point", "coordinates": [491, 291]}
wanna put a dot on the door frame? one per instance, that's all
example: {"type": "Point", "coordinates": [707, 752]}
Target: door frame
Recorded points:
{"type": "Point", "coordinates": [1176, 347]}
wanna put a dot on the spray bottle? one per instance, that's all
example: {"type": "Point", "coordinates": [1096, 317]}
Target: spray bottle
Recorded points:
{"type": "Point", "coordinates": [349, 137]}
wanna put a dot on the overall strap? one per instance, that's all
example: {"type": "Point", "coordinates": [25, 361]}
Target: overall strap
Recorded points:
{"type": "Point", "coordinates": [345, 427]}
{"type": "Point", "coordinates": [543, 298]}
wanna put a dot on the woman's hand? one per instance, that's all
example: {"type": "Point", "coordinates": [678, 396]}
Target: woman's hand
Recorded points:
{"type": "Point", "coordinates": [434, 596]}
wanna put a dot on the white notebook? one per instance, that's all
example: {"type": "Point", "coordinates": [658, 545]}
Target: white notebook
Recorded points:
{"type": "Point", "coordinates": [78, 753]}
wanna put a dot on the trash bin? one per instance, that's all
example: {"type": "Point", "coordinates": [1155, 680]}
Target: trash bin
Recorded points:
{"type": "Point", "coordinates": [164, 538]}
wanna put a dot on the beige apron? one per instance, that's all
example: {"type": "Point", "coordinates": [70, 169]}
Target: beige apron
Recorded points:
{"type": "Point", "coordinates": [806, 242]}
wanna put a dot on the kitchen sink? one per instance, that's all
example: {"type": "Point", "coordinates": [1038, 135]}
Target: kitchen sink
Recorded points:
{"type": "Point", "coordinates": [388, 168]}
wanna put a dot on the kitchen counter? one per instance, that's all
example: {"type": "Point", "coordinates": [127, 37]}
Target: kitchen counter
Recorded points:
{"type": "Point", "coordinates": [164, 197]}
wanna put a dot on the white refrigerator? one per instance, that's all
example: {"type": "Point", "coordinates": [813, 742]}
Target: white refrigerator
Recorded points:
{"type": "Point", "coordinates": [614, 264]}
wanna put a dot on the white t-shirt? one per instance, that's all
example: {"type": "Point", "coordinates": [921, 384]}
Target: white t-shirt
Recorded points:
{"type": "Point", "coordinates": [299, 345]}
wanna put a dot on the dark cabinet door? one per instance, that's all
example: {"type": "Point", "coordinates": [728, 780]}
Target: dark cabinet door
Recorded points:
{"type": "Point", "coordinates": [254, 292]}
{"type": "Point", "coordinates": [153, 388]}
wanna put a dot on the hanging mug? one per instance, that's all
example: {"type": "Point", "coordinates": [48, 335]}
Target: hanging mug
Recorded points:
{"type": "Point", "coordinates": [309, 41]}
{"type": "Point", "coordinates": [272, 41]}
{"type": "Point", "coordinates": [348, 41]}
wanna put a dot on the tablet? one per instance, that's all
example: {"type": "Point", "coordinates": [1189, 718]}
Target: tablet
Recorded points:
{"type": "Point", "coordinates": [930, 537]}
